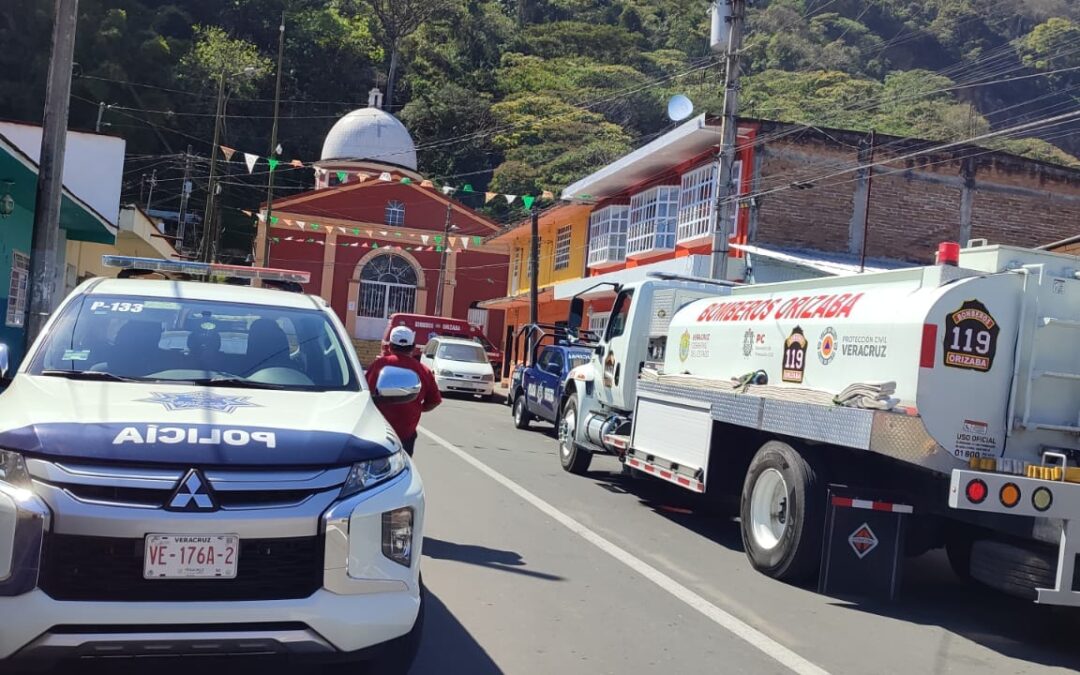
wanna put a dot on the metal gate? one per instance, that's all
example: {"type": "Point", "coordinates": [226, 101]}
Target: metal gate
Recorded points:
{"type": "Point", "coordinates": [379, 300]}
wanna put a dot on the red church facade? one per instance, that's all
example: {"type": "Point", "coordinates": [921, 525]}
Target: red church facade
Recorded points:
{"type": "Point", "coordinates": [376, 247]}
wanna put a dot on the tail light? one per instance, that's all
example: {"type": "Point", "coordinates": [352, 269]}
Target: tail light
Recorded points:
{"type": "Point", "coordinates": [976, 491]}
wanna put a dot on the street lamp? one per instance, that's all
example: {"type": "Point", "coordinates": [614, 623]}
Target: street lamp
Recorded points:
{"type": "Point", "coordinates": [210, 235]}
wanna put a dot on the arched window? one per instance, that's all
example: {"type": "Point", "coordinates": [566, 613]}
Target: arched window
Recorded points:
{"type": "Point", "coordinates": [387, 285]}
{"type": "Point", "coordinates": [395, 213]}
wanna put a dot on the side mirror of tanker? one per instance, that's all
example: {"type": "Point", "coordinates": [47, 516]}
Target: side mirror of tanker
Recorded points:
{"type": "Point", "coordinates": [577, 311]}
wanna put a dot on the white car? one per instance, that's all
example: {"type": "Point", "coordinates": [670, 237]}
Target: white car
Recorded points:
{"type": "Point", "coordinates": [460, 366]}
{"type": "Point", "coordinates": [194, 468]}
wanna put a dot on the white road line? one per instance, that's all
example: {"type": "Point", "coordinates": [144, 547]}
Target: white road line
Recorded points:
{"type": "Point", "coordinates": [749, 634]}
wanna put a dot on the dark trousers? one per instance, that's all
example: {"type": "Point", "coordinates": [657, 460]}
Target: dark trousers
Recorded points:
{"type": "Point", "coordinates": [408, 444]}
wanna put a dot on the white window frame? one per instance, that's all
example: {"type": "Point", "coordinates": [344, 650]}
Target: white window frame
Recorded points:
{"type": "Point", "coordinates": [607, 234]}
{"type": "Point", "coordinates": [653, 220]}
{"type": "Point", "coordinates": [598, 322]}
{"type": "Point", "coordinates": [697, 199]}
{"type": "Point", "coordinates": [562, 247]}
{"type": "Point", "coordinates": [394, 213]}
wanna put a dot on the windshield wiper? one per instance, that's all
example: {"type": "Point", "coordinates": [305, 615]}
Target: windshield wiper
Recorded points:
{"type": "Point", "coordinates": [237, 382]}
{"type": "Point", "coordinates": [97, 375]}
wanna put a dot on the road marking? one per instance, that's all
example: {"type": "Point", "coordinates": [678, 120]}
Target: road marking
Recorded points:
{"type": "Point", "coordinates": [725, 620]}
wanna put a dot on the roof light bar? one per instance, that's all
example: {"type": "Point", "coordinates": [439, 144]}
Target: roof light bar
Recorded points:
{"type": "Point", "coordinates": [204, 269]}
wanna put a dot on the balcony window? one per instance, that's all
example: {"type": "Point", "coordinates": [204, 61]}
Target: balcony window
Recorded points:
{"type": "Point", "coordinates": [653, 217]}
{"type": "Point", "coordinates": [607, 235]}
{"type": "Point", "coordinates": [697, 199]}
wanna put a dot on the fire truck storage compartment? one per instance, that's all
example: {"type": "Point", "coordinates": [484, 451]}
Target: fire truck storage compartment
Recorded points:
{"type": "Point", "coordinates": [678, 432]}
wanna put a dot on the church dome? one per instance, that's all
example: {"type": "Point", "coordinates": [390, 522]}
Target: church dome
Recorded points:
{"type": "Point", "coordinates": [370, 134]}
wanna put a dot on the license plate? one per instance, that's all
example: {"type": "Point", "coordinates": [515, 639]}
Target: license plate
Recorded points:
{"type": "Point", "coordinates": [191, 556]}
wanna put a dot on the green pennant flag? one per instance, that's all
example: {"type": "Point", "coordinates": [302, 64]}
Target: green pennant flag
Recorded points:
{"type": "Point", "coordinates": [528, 201]}
{"type": "Point", "coordinates": [405, 180]}
{"type": "Point", "coordinates": [477, 240]}
{"type": "Point", "coordinates": [438, 249]}
{"type": "Point", "coordinates": [275, 240]}
{"type": "Point", "coordinates": [374, 245]}
{"type": "Point", "coordinates": [272, 162]}
{"type": "Point", "coordinates": [356, 231]}
{"type": "Point", "coordinates": [438, 239]}
{"type": "Point", "coordinates": [342, 176]}
{"type": "Point", "coordinates": [397, 234]}
{"type": "Point", "coordinates": [468, 188]}
{"type": "Point", "coordinates": [273, 220]}
{"type": "Point", "coordinates": [313, 226]}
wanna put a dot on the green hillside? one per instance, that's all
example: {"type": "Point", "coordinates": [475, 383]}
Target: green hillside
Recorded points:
{"type": "Point", "coordinates": [529, 95]}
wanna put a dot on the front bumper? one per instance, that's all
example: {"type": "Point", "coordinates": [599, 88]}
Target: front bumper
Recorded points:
{"type": "Point", "coordinates": [464, 386]}
{"type": "Point", "coordinates": [365, 600]}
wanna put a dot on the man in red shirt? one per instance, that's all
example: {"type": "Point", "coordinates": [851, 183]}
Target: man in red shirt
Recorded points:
{"type": "Point", "coordinates": [405, 417]}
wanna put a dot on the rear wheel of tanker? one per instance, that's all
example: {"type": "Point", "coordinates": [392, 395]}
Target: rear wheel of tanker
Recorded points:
{"type": "Point", "coordinates": [1017, 570]}
{"type": "Point", "coordinates": [782, 512]}
{"type": "Point", "coordinates": [521, 412]}
{"type": "Point", "coordinates": [573, 457]}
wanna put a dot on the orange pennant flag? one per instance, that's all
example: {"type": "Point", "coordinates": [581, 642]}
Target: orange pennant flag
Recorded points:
{"type": "Point", "coordinates": [488, 196]}
{"type": "Point", "coordinates": [426, 183]}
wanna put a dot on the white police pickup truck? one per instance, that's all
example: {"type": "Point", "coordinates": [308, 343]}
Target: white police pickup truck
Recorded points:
{"type": "Point", "coordinates": [198, 469]}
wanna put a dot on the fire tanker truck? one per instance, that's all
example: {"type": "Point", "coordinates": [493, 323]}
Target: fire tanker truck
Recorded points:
{"type": "Point", "coordinates": [956, 386]}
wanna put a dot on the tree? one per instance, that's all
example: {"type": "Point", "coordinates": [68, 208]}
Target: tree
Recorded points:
{"type": "Point", "coordinates": [398, 19]}
{"type": "Point", "coordinates": [215, 55]}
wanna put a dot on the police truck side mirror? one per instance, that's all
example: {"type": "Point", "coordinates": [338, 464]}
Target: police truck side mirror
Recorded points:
{"type": "Point", "coordinates": [396, 385]}
{"type": "Point", "coordinates": [577, 311]}
{"type": "Point", "coordinates": [5, 361]}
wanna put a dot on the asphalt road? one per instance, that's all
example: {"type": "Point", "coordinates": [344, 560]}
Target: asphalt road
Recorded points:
{"type": "Point", "coordinates": [533, 570]}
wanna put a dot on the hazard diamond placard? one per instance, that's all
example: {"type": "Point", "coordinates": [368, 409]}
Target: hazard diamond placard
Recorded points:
{"type": "Point", "coordinates": [863, 540]}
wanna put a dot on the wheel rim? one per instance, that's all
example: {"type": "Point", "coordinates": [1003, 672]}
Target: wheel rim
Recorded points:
{"type": "Point", "coordinates": [769, 509]}
{"type": "Point", "coordinates": [566, 431]}
{"type": "Point", "coordinates": [519, 410]}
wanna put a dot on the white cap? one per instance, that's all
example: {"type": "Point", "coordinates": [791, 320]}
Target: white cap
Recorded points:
{"type": "Point", "coordinates": [402, 336]}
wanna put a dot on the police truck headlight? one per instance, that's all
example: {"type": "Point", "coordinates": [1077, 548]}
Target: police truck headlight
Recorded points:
{"type": "Point", "coordinates": [397, 535]}
{"type": "Point", "coordinates": [13, 469]}
{"type": "Point", "coordinates": [370, 473]}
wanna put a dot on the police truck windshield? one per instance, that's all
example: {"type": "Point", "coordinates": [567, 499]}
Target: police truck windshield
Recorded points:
{"type": "Point", "coordinates": [193, 341]}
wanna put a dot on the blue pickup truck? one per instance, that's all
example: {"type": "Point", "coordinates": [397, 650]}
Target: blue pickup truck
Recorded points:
{"type": "Point", "coordinates": [536, 389]}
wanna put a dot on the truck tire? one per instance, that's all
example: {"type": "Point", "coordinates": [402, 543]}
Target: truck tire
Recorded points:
{"type": "Point", "coordinates": [783, 512]}
{"type": "Point", "coordinates": [572, 456]}
{"type": "Point", "coordinates": [1013, 569]}
{"type": "Point", "coordinates": [521, 412]}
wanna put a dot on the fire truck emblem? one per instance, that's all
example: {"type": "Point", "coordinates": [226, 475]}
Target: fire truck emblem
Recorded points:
{"type": "Point", "coordinates": [684, 345]}
{"type": "Point", "coordinates": [863, 540]}
{"type": "Point", "coordinates": [794, 356]}
{"type": "Point", "coordinates": [971, 337]}
{"type": "Point", "coordinates": [748, 342]}
{"type": "Point", "coordinates": [826, 346]}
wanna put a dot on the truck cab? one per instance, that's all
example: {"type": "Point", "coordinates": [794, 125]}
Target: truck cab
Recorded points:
{"type": "Point", "coordinates": [602, 398]}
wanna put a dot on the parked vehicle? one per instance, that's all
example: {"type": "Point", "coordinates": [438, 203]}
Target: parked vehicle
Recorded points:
{"type": "Point", "coordinates": [460, 366]}
{"type": "Point", "coordinates": [427, 327]}
{"type": "Point", "coordinates": [167, 490]}
{"type": "Point", "coordinates": [955, 386]}
{"type": "Point", "coordinates": [536, 389]}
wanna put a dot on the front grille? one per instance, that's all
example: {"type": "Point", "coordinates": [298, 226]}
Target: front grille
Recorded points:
{"type": "Point", "coordinates": [111, 569]}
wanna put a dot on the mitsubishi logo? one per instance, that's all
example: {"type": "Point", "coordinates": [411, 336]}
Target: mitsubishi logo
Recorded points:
{"type": "Point", "coordinates": [193, 494]}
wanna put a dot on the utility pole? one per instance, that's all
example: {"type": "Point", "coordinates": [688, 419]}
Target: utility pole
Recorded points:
{"type": "Point", "coordinates": [185, 194]}
{"type": "Point", "coordinates": [153, 183]}
{"type": "Point", "coordinates": [442, 262]}
{"type": "Point", "coordinates": [102, 107]}
{"type": "Point", "coordinates": [44, 256]}
{"type": "Point", "coordinates": [729, 133]}
{"type": "Point", "coordinates": [209, 225]}
{"type": "Point", "coordinates": [866, 212]}
{"type": "Point", "coordinates": [273, 145]}
{"type": "Point", "coordinates": [534, 281]}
